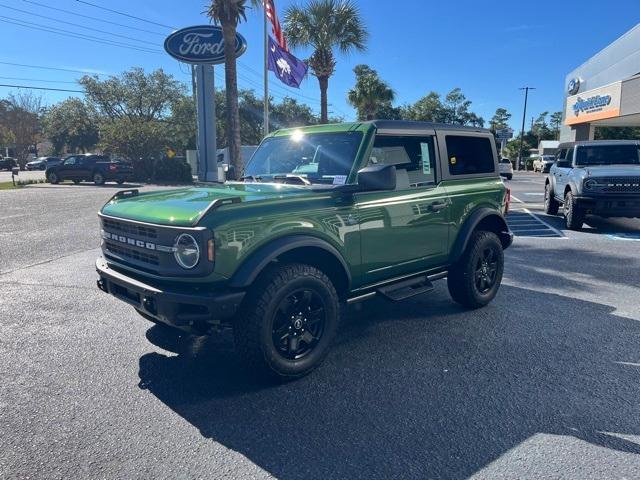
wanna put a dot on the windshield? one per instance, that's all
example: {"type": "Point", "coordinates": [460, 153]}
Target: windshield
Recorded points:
{"type": "Point", "coordinates": [316, 157]}
{"type": "Point", "coordinates": [608, 155]}
{"type": "Point", "coordinates": [548, 158]}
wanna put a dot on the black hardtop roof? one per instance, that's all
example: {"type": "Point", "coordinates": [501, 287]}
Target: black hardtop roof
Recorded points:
{"type": "Point", "coordinates": [593, 143]}
{"type": "Point", "coordinates": [409, 125]}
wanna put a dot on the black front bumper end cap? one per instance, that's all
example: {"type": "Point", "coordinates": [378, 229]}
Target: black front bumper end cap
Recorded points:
{"type": "Point", "coordinates": [174, 307]}
{"type": "Point", "coordinates": [506, 238]}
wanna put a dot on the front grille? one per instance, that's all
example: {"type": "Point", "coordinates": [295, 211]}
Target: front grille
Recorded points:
{"type": "Point", "coordinates": [149, 248]}
{"type": "Point", "coordinates": [620, 184]}
{"type": "Point", "coordinates": [130, 253]}
{"type": "Point", "coordinates": [116, 226]}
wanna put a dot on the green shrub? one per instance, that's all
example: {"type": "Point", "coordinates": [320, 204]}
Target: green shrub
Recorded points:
{"type": "Point", "coordinates": [172, 170]}
{"type": "Point", "coordinates": [162, 170]}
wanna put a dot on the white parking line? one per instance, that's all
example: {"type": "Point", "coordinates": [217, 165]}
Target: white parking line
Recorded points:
{"type": "Point", "coordinates": [550, 226]}
{"type": "Point", "coordinates": [516, 199]}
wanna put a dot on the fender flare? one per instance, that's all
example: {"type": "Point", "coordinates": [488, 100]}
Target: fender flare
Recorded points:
{"type": "Point", "coordinates": [252, 266]}
{"type": "Point", "coordinates": [572, 186]}
{"type": "Point", "coordinates": [470, 224]}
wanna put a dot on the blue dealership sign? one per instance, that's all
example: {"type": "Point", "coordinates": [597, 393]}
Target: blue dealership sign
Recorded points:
{"type": "Point", "coordinates": [201, 44]}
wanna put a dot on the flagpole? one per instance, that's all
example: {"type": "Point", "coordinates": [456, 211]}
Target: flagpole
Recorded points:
{"type": "Point", "coordinates": [266, 73]}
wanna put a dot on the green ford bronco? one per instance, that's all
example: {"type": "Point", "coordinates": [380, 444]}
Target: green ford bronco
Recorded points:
{"type": "Point", "coordinates": [325, 216]}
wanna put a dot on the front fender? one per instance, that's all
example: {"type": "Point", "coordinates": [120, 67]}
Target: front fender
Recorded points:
{"type": "Point", "coordinates": [249, 270]}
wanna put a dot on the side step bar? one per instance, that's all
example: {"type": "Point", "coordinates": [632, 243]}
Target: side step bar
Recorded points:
{"type": "Point", "coordinates": [406, 289]}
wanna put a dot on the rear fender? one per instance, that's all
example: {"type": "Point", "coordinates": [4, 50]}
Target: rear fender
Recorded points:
{"type": "Point", "coordinates": [488, 219]}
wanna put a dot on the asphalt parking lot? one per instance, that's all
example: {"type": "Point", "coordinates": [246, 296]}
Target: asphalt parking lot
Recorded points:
{"type": "Point", "coordinates": [544, 382]}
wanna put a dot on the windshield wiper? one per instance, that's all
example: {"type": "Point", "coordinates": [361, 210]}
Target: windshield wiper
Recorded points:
{"type": "Point", "coordinates": [301, 180]}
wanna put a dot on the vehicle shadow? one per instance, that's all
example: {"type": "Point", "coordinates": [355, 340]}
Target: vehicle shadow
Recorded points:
{"type": "Point", "coordinates": [595, 225]}
{"type": "Point", "coordinates": [421, 389]}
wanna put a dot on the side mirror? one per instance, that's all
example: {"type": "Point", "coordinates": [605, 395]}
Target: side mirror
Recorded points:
{"type": "Point", "coordinates": [377, 177]}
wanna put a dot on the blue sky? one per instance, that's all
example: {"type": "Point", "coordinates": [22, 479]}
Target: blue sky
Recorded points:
{"type": "Point", "coordinates": [488, 49]}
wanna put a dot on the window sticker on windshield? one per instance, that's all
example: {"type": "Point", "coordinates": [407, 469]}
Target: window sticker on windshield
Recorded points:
{"type": "Point", "coordinates": [339, 179]}
{"type": "Point", "coordinates": [426, 159]}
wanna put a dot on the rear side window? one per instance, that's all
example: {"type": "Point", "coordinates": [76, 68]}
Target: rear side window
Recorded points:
{"type": "Point", "coordinates": [469, 155]}
{"type": "Point", "coordinates": [413, 157]}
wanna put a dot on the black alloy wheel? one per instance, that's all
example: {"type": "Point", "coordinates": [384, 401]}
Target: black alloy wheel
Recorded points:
{"type": "Point", "coordinates": [486, 270]}
{"type": "Point", "coordinates": [298, 324]}
{"type": "Point", "coordinates": [473, 281]}
{"type": "Point", "coordinates": [287, 321]}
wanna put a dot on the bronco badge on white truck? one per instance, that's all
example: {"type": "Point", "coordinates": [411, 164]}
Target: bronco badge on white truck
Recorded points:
{"type": "Point", "coordinates": [594, 178]}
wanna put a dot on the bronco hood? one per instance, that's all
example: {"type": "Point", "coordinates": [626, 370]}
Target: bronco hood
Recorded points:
{"type": "Point", "coordinates": [612, 170]}
{"type": "Point", "coordinates": [183, 207]}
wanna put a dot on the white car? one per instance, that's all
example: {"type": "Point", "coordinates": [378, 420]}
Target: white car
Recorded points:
{"type": "Point", "coordinates": [506, 168]}
{"type": "Point", "coordinates": [543, 163]}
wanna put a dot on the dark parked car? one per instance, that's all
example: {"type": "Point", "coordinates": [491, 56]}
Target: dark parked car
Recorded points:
{"type": "Point", "coordinates": [7, 163]}
{"type": "Point", "coordinates": [42, 163]}
{"type": "Point", "coordinates": [96, 168]}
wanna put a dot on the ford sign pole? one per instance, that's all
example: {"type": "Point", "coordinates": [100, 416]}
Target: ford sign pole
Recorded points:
{"type": "Point", "coordinates": [266, 72]}
{"type": "Point", "coordinates": [203, 46]}
{"type": "Point", "coordinates": [206, 108]}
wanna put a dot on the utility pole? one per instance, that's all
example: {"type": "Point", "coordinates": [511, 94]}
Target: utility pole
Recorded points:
{"type": "Point", "coordinates": [524, 116]}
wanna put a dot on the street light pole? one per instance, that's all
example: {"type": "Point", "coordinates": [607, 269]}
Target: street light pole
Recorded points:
{"type": "Point", "coordinates": [524, 116]}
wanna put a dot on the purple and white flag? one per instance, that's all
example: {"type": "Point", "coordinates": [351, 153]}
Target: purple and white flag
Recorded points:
{"type": "Point", "coordinates": [287, 68]}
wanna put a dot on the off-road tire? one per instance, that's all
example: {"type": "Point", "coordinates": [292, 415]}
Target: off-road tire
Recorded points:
{"type": "Point", "coordinates": [53, 178]}
{"type": "Point", "coordinates": [551, 205]}
{"type": "Point", "coordinates": [573, 215]}
{"type": "Point", "coordinates": [98, 178]}
{"type": "Point", "coordinates": [461, 279]}
{"type": "Point", "coordinates": [253, 326]}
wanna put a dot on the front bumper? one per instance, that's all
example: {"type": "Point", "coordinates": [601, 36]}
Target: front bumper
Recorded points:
{"type": "Point", "coordinates": [610, 205]}
{"type": "Point", "coordinates": [190, 309]}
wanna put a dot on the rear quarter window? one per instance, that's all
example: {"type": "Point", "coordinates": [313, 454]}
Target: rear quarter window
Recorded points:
{"type": "Point", "coordinates": [469, 155]}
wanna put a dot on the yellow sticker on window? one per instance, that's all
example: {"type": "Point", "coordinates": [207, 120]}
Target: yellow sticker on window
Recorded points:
{"type": "Point", "coordinates": [453, 160]}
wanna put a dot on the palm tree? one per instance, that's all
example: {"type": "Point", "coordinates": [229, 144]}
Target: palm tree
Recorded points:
{"type": "Point", "coordinates": [229, 13]}
{"type": "Point", "coordinates": [324, 25]}
{"type": "Point", "coordinates": [370, 93]}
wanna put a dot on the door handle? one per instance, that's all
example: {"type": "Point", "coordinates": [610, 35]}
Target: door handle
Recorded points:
{"type": "Point", "coordinates": [437, 205]}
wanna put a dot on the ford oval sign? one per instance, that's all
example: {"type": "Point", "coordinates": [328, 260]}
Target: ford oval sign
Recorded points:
{"type": "Point", "coordinates": [574, 86]}
{"type": "Point", "coordinates": [201, 44]}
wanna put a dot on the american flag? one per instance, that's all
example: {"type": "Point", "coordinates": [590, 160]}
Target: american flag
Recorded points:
{"type": "Point", "coordinates": [275, 24]}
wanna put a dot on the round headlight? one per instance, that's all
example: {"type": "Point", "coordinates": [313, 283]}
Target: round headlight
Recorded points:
{"type": "Point", "coordinates": [591, 183]}
{"type": "Point", "coordinates": [187, 252]}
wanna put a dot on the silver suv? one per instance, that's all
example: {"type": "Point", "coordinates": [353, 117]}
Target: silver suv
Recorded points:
{"type": "Point", "coordinates": [594, 178]}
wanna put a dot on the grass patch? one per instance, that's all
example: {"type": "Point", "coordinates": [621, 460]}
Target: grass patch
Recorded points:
{"type": "Point", "coordinates": [20, 184]}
